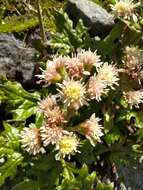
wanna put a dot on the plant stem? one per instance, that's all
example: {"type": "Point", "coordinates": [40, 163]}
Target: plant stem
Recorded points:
{"type": "Point", "coordinates": [39, 10]}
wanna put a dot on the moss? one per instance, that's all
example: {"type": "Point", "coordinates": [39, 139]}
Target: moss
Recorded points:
{"type": "Point", "coordinates": [16, 24]}
{"type": "Point", "coordinates": [20, 19]}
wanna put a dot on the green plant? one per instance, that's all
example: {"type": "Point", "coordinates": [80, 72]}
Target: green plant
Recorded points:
{"type": "Point", "coordinates": [68, 39]}
{"type": "Point", "coordinates": [88, 110]}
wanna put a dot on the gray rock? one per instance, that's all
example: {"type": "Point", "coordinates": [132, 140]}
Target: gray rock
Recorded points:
{"type": "Point", "coordinates": [131, 177]}
{"type": "Point", "coordinates": [16, 61]}
{"type": "Point", "coordinates": [95, 17]}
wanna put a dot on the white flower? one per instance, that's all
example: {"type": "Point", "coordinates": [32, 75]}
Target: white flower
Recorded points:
{"type": "Point", "coordinates": [30, 140]}
{"type": "Point", "coordinates": [134, 98]}
{"type": "Point", "coordinates": [96, 88]}
{"type": "Point", "coordinates": [109, 74]}
{"type": "Point", "coordinates": [73, 93]}
{"type": "Point", "coordinates": [75, 68]}
{"type": "Point", "coordinates": [91, 129]}
{"type": "Point", "coordinates": [133, 60]}
{"type": "Point", "coordinates": [67, 146]}
{"type": "Point", "coordinates": [50, 75]}
{"type": "Point", "coordinates": [124, 9]}
{"type": "Point", "coordinates": [89, 59]}
{"type": "Point", "coordinates": [51, 134]}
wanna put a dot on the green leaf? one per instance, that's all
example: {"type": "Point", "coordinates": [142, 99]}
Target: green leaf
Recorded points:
{"type": "Point", "coordinates": [11, 161]}
{"type": "Point", "coordinates": [70, 185]}
{"type": "Point", "coordinates": [15, 91]}
{"type": "Point", "coordinates": [139, 135]}
{"type": "Point", "coordinates": [23, 103]}
{"type": "Point", "coordinates": [86, 155]}
{"type": "Point", "coordinates": [62, 21]}
{"type": "Point", "coordinates": [113, 136]}
{"type": "Point", "coordinates": [26, 185]}
{"type": "Point", "coordinates": [68, 39]}
{"type": "Point", "coordinates": [123, 155]}
{"type": "Point", "coordinates": [108, 46]}
{"type": "Point", "coordinates": [81, 181]}
{"type": "Point", "coordinates": [127, 114]}
{"type": "Point", "coordinates": [86, 178]}
{"type": "Point", "coordinates": [11, 135]}
{"type": "Point", "coordinates": [102, 186]}
{"type": "Point", "coordinates": [23, 114]}
{"type": "Point", "coordinates": [39, 119]}
{"type": "Point", "coordinates": [9, 152]}
{"type": "Point", "coordinates": [46, 170]}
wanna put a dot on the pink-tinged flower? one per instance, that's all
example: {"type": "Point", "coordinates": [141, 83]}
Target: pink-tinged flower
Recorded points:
{"type": "Point", "coordinates": [134, 98]}
{"type": "Point", "coordinates": [67, 146]}
{"type": "Point", "coordinates": [75, 68]}
{"type": "Point", "coordinates": [73, 93]}
{"type": "Point", "coordinates": [60, 64]}
{"type": "Point", "coordinates": [51, 134]}
{"type": "Point", "coordinates": [48, 103]}
{"type": "Point", "coordinates": [89, 59]}
{"type": "Point", "coordinates": [124, 9]}
{"type": "Point", "coordinates": [91, 129]}
{"type": "Point", "coordinates": [96, 88]}
{"type": "Point", "coordinates": [52, 112]}
{"type": "Point", "coordinates": [133, 60]}
{"type": "Point", "coordinates": [55, 116]}
{"type": "Point", "coordinates": [30, 140]}
{"type": "Point", "coordinates": [109, 74]}
{"type": "Point", "coordinates": [50, 75]}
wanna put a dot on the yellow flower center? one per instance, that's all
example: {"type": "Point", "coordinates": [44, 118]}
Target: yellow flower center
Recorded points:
{"type": "Point", "coordinates": [108, 76]}
{"type": "Point", "coordinates": [68, 144]}
{"type": "Point", "coordinates": [73, 92]}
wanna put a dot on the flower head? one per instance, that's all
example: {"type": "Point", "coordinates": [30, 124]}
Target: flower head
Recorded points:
{"type": "Point", "coordinates": [133, 60]}
{"type": "Point", "coordinates": [109, 74]}
{"type": "Point", "coordinates": [50, 75]}
{"type": "Point", "coordinates": [55, 116]}
{"type": "Point", "coordinates": [134, 98]}
{"type": "Point", "coordinates": [89, 59]}
{"type": "Point", "coordinates": [73, 93]}
{"type": "Point", "coordinates": [67, 146]}
{"type": "Point", "coordinates": [51, 134]}
{"type": "Point", "coordinates": [96, 88]}
{"type": "Point", "coordinates": [75, 68]}
{"type": "Point", "coordinates": [123, 9]}
{"type": "Point", "coordinates": [31, 141]}
{"type": "Point", "coordinates": [52, 112]}
{"type": "Point", "coordinates": [48, 103]}
{"type": "Point", "coordinates": [91, 129]}
{"type": "Point", "coordinates": [60, 64]}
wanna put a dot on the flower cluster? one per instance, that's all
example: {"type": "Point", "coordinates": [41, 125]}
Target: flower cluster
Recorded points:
{"type": "Point", "coordinates": [71, 73]}
{"type": "Point", "coordinates": [80, 80]}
